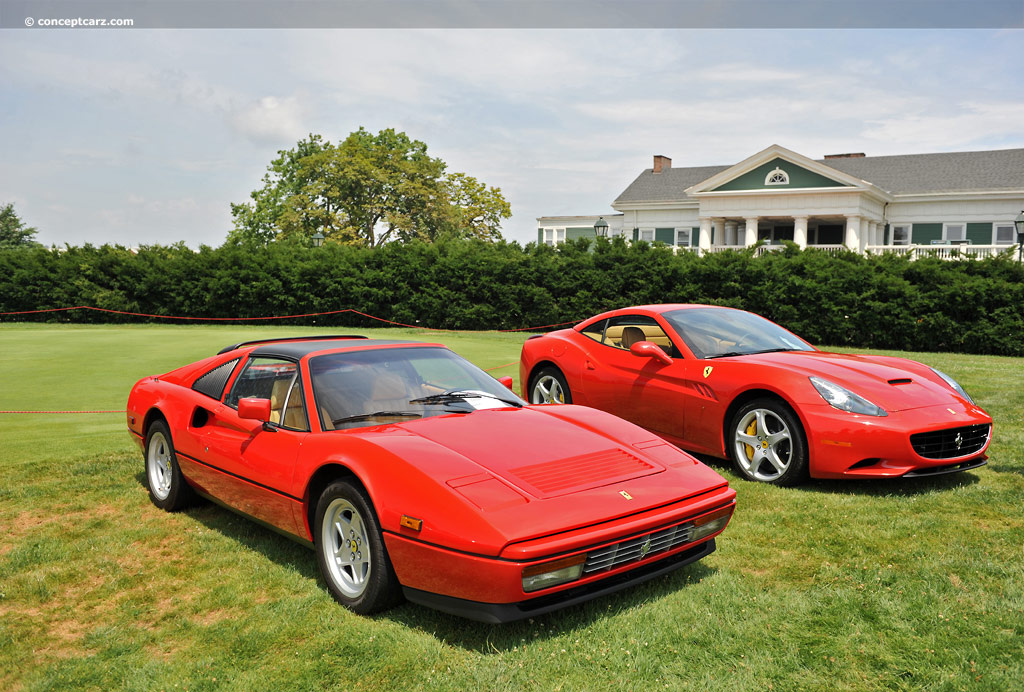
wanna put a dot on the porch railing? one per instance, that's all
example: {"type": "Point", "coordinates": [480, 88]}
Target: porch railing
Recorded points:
{"type": "Point", "coordinates": [949, 252]}
{"type": "Point", "coordinates": [941, 251]}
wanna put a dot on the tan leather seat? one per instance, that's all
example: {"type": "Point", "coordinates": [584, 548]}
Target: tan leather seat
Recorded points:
{"type": "Point", "coordinates": [389, 393]}
{"type": "Point", "coordinates": [294, 415]}
{"type": "Point", "coordinates": [631, 335]}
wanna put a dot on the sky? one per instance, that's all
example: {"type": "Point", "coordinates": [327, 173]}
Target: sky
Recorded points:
{"type": "Point", "coordinates": [146, 136]}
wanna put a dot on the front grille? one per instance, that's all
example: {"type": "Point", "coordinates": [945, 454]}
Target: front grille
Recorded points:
{"type": "Point", "coordinates": [952, 443]}
{"type": "Point", "coordinates": [638, 548]}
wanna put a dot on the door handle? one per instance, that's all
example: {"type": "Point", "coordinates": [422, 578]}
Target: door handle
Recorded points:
{"type": "Point", "coordinates": [590, 365]}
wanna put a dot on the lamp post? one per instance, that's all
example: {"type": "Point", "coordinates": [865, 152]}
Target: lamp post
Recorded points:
{"type": "Point", "coordinates": [318, 239]}
{"type": "Point", "coordinates": [601, 228]}
{"type": "Point", "coordinates": [1019, 223]}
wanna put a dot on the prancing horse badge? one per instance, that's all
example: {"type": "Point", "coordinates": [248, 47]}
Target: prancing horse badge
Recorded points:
{"type": "Point", "coordinates": [707, 371]}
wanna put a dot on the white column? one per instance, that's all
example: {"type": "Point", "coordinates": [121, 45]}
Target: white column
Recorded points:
{"type": "Point", "coordinates": [873, 233]}
{"type": "Point", "coordinates": [719, 225]}
{"type": "Point", "coordinates": [730, 233]}
{"type": "Point", "coordinates": [852, 239]}
{"type": "Point", "coordinates": [750, 235]}
{"type": "Point", "coordinates": [704, 241]}
{"type": "Point", "coordinates": [865, 234]}
{"type": "Point", "coordinates": [800, 231]}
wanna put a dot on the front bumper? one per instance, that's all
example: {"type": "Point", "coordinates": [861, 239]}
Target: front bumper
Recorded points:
{"type": "Point", "coordinates": [497, 613]}
{"type": "Point", "coordinates": [490, 589]}
{"type": "Point", "coordinates": [844, 445]}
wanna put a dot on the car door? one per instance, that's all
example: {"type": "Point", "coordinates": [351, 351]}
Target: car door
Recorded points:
{"type": "Point", "coordinates": [255, 460]}
{"type": "Point", "coordinates": [642, 390]}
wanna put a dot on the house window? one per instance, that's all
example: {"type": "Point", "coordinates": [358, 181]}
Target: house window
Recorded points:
{"type": "Point", "coordinates": [647, 234]}
{"type": "Point", "coordinates": [901, 235]}
{"type": "Point", "coordinates": [954, 231]}
{"type": "Point", "coordinates": [683, 237]}
{"type": "Point", "coordinates": [553, 236]}
{"type": "Point", "coordinates": [777, 177]}
{"type": "Point", "coordinates": [1002, 234]}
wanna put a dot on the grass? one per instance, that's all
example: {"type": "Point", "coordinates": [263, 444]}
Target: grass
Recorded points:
{"type": "Point", "coordinates": [833, 585]}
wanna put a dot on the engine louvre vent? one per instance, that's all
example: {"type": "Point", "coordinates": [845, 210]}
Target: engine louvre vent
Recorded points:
{"type": "Point", "coordinates": [592, 470]}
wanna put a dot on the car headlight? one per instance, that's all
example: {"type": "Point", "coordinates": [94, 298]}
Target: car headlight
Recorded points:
{"type": "Point", "coordinates": [845, 400]}
{"type": "Point", "coordinates": [953, 383]}
{"type": "Point", "coordinates": [546, 574]}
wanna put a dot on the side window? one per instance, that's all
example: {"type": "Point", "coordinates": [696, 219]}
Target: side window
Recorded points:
{"type": "Point", "coordinates": [622, 332]}
{"type": "Point", "coordinates": [212, 383]}
{"type": "Point", "coordinates": [277, 380]}
{"type": "Point", "coordinates": [595, 331]}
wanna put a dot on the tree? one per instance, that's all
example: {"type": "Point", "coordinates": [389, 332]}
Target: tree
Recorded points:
{"type": "Point", "coordinates": [477, 210]}
{"type": "Point", "coordinates": [13, 231]}
{"type": "Point", "coordinates": [367, 190]}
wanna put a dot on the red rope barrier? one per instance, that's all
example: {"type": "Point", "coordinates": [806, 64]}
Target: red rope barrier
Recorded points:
{"type": "Point", "coordinates": [499, 367]}
{"type": "Point", "coordinates": [275, 317]}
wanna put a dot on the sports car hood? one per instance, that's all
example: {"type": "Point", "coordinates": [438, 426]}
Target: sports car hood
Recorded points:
{"type": "Point", "coordinates": [546, 456]}
{"type": "Point", "coordinates": [895, 384]}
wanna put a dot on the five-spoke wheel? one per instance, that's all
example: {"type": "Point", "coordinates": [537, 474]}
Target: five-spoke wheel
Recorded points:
{"type": "Point", "coordinates": [549, 387]}
{"type": "Point", "coordinates": [351, 552]}
{"type": "Point", "coordinates": [167, 488]}
{"type": "Point", "coordinates": [768, 443]}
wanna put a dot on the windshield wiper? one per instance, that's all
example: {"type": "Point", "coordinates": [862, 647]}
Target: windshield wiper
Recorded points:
{"type": "Point", "coordinates": [723, 355]}
{"type": "Point", "coordinates": [747, 353]}
{"type": "Point", "coordinates": [454, 395]}
{"type": "Point", "coordinates": [376, 414]}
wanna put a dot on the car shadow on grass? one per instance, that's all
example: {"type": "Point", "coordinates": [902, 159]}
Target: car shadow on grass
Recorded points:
{"type": "Point", "coordinates": [252, 534]}
{"type": "Point", "coordinates": [880, 487]}
{"type": "Point", "coordinates": [484, 638]}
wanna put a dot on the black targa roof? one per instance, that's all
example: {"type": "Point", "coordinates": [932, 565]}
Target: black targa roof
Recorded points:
{"type": "Point", "coordinates": [297, 349]}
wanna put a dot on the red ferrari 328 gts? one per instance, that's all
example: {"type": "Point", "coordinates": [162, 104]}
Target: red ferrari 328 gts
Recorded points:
{"type": "Point", "coordinates": [411, 471]}
{"type": "Point", "coordinates": [731, 384]}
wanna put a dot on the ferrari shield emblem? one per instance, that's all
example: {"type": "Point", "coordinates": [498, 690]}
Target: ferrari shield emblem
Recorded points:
{"type": "Point", "coordinates": [625, 495]}
{"type": "Point", "coordinates": [707, 371]}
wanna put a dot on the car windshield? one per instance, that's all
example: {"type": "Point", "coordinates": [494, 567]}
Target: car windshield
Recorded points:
{"type": "Point", "coordinates": [361, 388]}
{"type": "Point", "coordinates": [718, 332]}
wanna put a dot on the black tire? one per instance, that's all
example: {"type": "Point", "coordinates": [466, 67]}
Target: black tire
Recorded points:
{"type": "Point", "coordinates": [767, 443]}
{"type": "Point", "coordinates": [355, 566]}
{"type": "Point", "coordinates": [548, 386]}
{"type": "Point", "coordinates": [167, 487]}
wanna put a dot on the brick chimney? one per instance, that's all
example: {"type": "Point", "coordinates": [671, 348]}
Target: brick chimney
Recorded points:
{"type": "Point", "coordinates": [661, 162]}
{"type": "Point", "coordinates": [858, 155]}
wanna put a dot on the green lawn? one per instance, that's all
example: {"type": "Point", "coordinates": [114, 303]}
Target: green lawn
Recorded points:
{"type": "Point", "coordinates": [832, 585]}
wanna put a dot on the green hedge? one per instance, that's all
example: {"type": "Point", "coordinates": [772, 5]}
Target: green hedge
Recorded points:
{"type": "Point", "coordinates": [974, 306]}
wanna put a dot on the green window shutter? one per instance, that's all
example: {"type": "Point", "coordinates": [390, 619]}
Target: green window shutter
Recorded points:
{"type": "Point", "coordinates": [540, 236]}
{"type": "Point", "coordinates": [636, 234]}
{"type": "Point", "coordinates": [979, 233]}
{"type": "Point", "coordinates": [695, 236]}
{"type": "Point", "coordinates": [925, 233]}
{"type": "Point", "coordinates": [665, 235]}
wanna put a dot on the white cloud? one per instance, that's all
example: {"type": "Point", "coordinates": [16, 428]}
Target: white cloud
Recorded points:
{"type": "Point", "coordinates": [271, 120]}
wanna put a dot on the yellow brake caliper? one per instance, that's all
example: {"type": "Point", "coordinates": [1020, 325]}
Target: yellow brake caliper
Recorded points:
{"type": "Point", "coordinates": [751, 430]}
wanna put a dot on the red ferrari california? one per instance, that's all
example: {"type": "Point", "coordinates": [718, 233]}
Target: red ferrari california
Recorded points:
{"type": "Point", "coordinates": [732, 384]}
{"type": "Point", "coordinates": [411, 472]}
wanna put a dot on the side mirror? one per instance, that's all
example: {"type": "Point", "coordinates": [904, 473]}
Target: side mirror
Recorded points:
{"type": "Point", "coordinates": [254, 409]}
{"type": "Point", "coordinates": [507, 381]}
{"type": "Point", "coordinates": [649, 349]}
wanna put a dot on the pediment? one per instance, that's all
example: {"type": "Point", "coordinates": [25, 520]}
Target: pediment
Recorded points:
{"type": "Point", "coordinates": [776, 169]}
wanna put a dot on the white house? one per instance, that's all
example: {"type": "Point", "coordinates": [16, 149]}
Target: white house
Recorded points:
{"type": "Point", "coordinates": [940, 203]}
